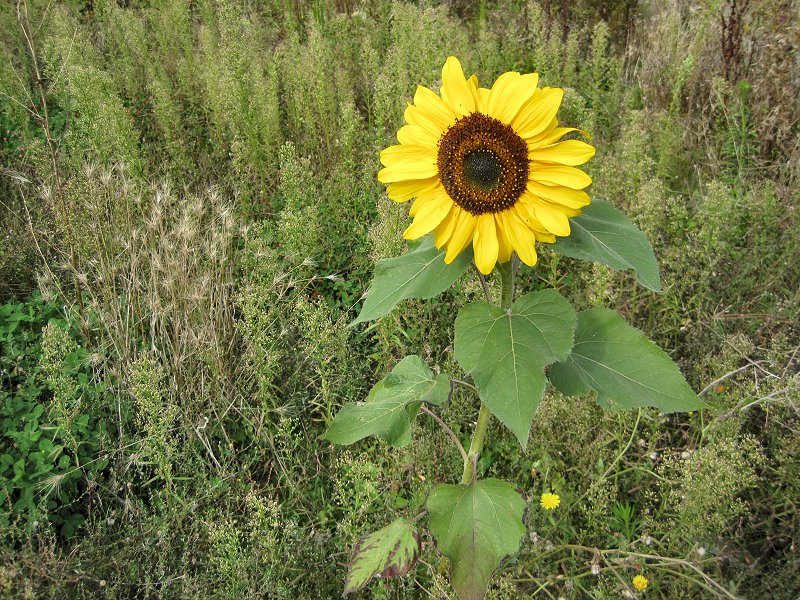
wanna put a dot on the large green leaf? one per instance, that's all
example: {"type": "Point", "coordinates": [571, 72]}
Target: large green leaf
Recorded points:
{"type": "Point", "coordinates": [506, 352]}
{"type": "Point", "coordinates": [389, 552]}
{"type": "Point", "coordinates": [391, 405]}
{"type": "Point", "coordinates": [625, 368]}
{"type": "Point", "coordinates": [422, 273]}
{"type": "Point", "coordinates": [604, 234]}
{"type": "Point", "coordinates": [476, 526]}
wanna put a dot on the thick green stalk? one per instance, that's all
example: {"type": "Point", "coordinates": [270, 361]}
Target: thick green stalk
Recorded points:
{"type": "Point", "coordinates": [506, 272]}
{"type": "Point", "coordinates": [484, 416]}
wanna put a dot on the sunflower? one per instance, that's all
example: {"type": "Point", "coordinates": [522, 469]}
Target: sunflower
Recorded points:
{"type": "Point", "coordinates": [487, 167]}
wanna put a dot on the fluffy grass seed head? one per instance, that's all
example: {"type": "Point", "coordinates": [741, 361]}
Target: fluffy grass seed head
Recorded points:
{"type": "Point", "coordinates": [549, 501]}
{"type": "Point", "coordinates": [640, 583]}
{"type": "Point", "coordinates": [487, 166]}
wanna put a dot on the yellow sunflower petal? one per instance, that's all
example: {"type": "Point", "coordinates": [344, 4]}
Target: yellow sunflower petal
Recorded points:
{"type": "Point", "coordinates": [414, 116]}
{"type": "Point", "coordinates": [553, 134]}
{"type": "Point", "coordinates": [415, 135]}
{"type": "Point", "coordinates": [483, 98]}
{"type": "Point", "coordinates": [568, 152]}
{"type": "Point", "coordinates": [545, 236]}
{"type": "Point", "coordinates": [509, 93]}
{"type": "Point", "coordinates": [541, 138]}
{"type": "Point", "coordinates": [455, 89]}
{"type": "Point", "coordinates": [435, 194]}
{"type": "Point", "coordinates": [429, 101]}
{"type": "Point", "coordinates": [537, 114]}
{"type": "Point", "coordinates": [429, 111]}
{"type": "Point", "coordinates": [485, 243]}
{"type": "Point", "coordinates": [505, 247]}
{"type": "Point", "coordinates": [524, 210]}
{"type": "Point", "coordinates": [463, 230]}
{"type": "Point", "coordinates": [429, 212]}
{"type": "Point", "coordinates": [560, 175]}
{"type": "Point", "coordinates": [402, 191]}
{"type": "Point", "coordinates": [407, 162]}
{"type": "Point", "coordinates": [472, 82]}
{"type": "Point", "coordinates": [445, 229]}
{"type": "Point", "coordinates": [520, 236]}
{"type": "Point", "coordinates": [558, 194]}
{"type": "Point", "coordinates": [554, 220]}
{"type": "Point", "coordinates": [570, 212]}
{"type": "Point", "coordinates": [500, 95]}
{"type": "Point", "coordinates": [403, 153]}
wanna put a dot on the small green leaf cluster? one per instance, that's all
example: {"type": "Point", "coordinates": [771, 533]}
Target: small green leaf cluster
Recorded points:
{"type": "Point", "coordinates": [357, 494]}
{"type": "Point", "coordinates": [105, 130]}
{"type": "Point", "coordinates": [706, 489]}
{"type": "Point", "coordinates": [623, 521]}
{"type": "Point", "coordinates": [52, 438]}
{"type": "Point", "coordinates": [155, 414]}
{"type": "Point", "coordinates": [248, 552]}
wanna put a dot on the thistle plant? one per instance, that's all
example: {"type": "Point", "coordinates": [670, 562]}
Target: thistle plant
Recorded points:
{"type": "Point", "coordinates": [491, 176]}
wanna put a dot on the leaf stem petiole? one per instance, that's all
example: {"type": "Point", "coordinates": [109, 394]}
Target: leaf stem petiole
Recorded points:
{"type": "Point", "coordinates": [444, 425]}
{"type": "Point", "coordinates": [469, 386]}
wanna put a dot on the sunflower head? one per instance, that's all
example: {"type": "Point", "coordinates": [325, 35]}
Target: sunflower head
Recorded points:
{"type": "Point", "coordinates": [487, 166]}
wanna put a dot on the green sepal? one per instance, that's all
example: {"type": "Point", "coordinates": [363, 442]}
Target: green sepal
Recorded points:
{"type": "Point", "coordinates": [604, 234]}
{"type": "Point", "coordinates": [625, 368]}
{"type": "Point", "coordinates": [476, 526]}
{"type": "Point", "coordinates": [391, 405]}
{"type": "Point", "coordinates": [421, 273]}
{"type": "Point", "coordinates": [389, 552]}
{"type": "Point", "coordinates": [506, 352]}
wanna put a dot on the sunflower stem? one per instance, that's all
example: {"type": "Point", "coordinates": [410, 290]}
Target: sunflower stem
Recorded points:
{"type": "Point", "coordinates": [506, 273]}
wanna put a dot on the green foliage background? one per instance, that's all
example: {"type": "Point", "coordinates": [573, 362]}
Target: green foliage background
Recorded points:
{"type": "Point", "coordinates": [191, 223]}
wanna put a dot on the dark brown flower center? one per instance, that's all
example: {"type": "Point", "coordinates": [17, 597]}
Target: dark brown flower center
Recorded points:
{"type": "Point", "coordinates": [482, 169]}
{"type": "Point", "coordinates": [483, 164]}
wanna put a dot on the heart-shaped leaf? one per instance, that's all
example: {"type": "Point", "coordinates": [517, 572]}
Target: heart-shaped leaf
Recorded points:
{"type": "Point", "coordinates": [391, 405]}
{"type": "Point", "coordinates": [625, 368]}
{"type": "Point", "coordinates": [506, 352]}
{"type": "Point", "coordinates": [476, 526]}
{"type": "Point", "coordinates": [604, 234]}
{"type": "Point", "coordinates": [389, 552]}
{"type": "Point", "coordinates": [422, 273]}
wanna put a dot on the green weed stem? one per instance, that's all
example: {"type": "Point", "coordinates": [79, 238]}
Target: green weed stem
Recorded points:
{"type": "Point", "coordinates": [43, 118]}
{"type": "Point", "coordinates": [611, 466]}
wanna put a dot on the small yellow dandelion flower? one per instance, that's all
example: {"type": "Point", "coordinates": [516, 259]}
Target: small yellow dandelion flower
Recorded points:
{"type": "Point", "coordinates": [640, 583]}
{"type": "Point", "coordinates": [487, 167]}
{"type": "Point", "coordinates": [549, 501]}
